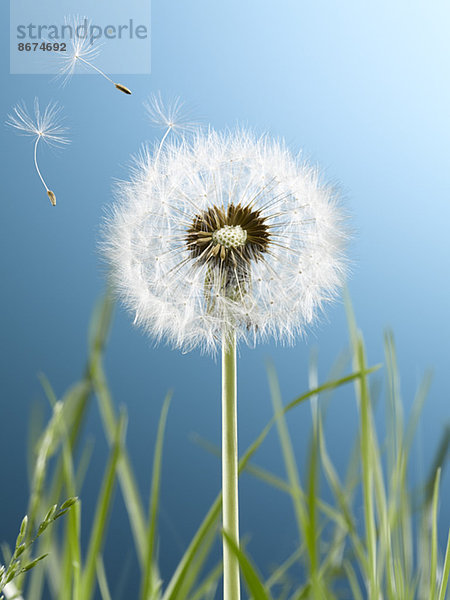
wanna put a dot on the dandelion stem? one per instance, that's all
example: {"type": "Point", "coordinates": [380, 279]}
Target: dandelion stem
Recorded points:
{"type": "Point", "coordinates": [230, 507]}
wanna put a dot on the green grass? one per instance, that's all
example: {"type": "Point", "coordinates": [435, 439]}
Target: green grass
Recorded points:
{"type": "Point", "coordinates": [339, 555]}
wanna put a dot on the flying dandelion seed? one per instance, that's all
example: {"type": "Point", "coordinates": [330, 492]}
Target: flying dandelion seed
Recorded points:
{"type": "Point", "coordinates": [81, 49]}
{"type": "Point", "coordinates": [225, 231]}
{"type": "Point", "coordinates": [45, 126]}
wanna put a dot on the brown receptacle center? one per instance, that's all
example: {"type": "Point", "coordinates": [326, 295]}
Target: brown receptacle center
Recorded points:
{"type": "Point", "coordinates": [228, 237]}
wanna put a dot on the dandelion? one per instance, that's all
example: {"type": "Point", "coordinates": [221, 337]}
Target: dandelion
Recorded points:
{"type": "Point", "coordinates": [82, 50]}
{"type": "Point", "coordinates": [45, 126]}
{"type": "Point", "coordinates": [222, 238]}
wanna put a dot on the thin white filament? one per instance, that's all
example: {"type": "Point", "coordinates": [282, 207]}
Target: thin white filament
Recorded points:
{"type": "Point", "coordinates": [96, 69]}
{"type": "Point", "coordinates": [36, 163]}
{"type": "Point", "coordinates": [161, 144]}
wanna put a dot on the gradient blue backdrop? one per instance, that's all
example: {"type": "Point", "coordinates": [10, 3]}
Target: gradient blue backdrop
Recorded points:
{"type": "Point", "coordinates": [364, 88]}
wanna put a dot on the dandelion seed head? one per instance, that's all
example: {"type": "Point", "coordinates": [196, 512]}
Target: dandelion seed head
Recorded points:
{"type": "Point", "coordinates": [225, 231]}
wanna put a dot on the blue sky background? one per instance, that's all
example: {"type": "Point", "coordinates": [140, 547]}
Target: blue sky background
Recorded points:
{"type": "Point", "coordinates": [364, 89]}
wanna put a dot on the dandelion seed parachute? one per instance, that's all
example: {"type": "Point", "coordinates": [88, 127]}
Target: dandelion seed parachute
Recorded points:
{"type": "Point", "coordinates": [82, 50]}
{"type": "Point", "coordinates": [44, 125]}
{"type": "Point", "coordinates": [224, 231]}
{"type": "Point", "coordinates": [169, 115]}
{"type": "Point", "coordinates": [79, 48]}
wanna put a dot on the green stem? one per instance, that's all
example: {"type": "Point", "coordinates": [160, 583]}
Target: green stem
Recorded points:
{"type": "Point", "coordinates": [230, 510]}
{"type": "Point", "coordinates": [367, 474]}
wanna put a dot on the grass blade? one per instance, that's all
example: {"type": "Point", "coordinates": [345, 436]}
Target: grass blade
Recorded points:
{"type": "Point", "coordinates": [125, 473]}
{"type": "Point", "coordinates": [353, 581]}
{"type": "Point", "coordinates": [366, 447]}
{"type": "Point", "coordinates": [98, 334]}
{"type": "Point", "coordinates": [291, 468]}
{"type": "Point", "coordinates": [149, 586]}
{"type": "Point", "coordinates": [445, 571]}
{"type": "Point", "coordinates": [440, 458]}
{"type": "Point", "coordinates": [253, 581]}
{"type": "Point", "coordinates": [281, 571]}
{"type": "Point", "coordinates": [101, 514]}
{"type": "Point", "coordinates": [185, 563]}
{"type": "Point", "coordinates": [434, 549]}
{"type": "Point", "coordinates": [209, 584]}
{"type": "Point", "coordinates": [102, 581]}
{"type": "Point", "coordinates": [196, 566]}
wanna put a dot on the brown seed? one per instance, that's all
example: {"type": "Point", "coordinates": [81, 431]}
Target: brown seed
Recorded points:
{"type": "Point", "coordinates": [122, 88]}
{"type": "Point", "coordinates": [52, 197]}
